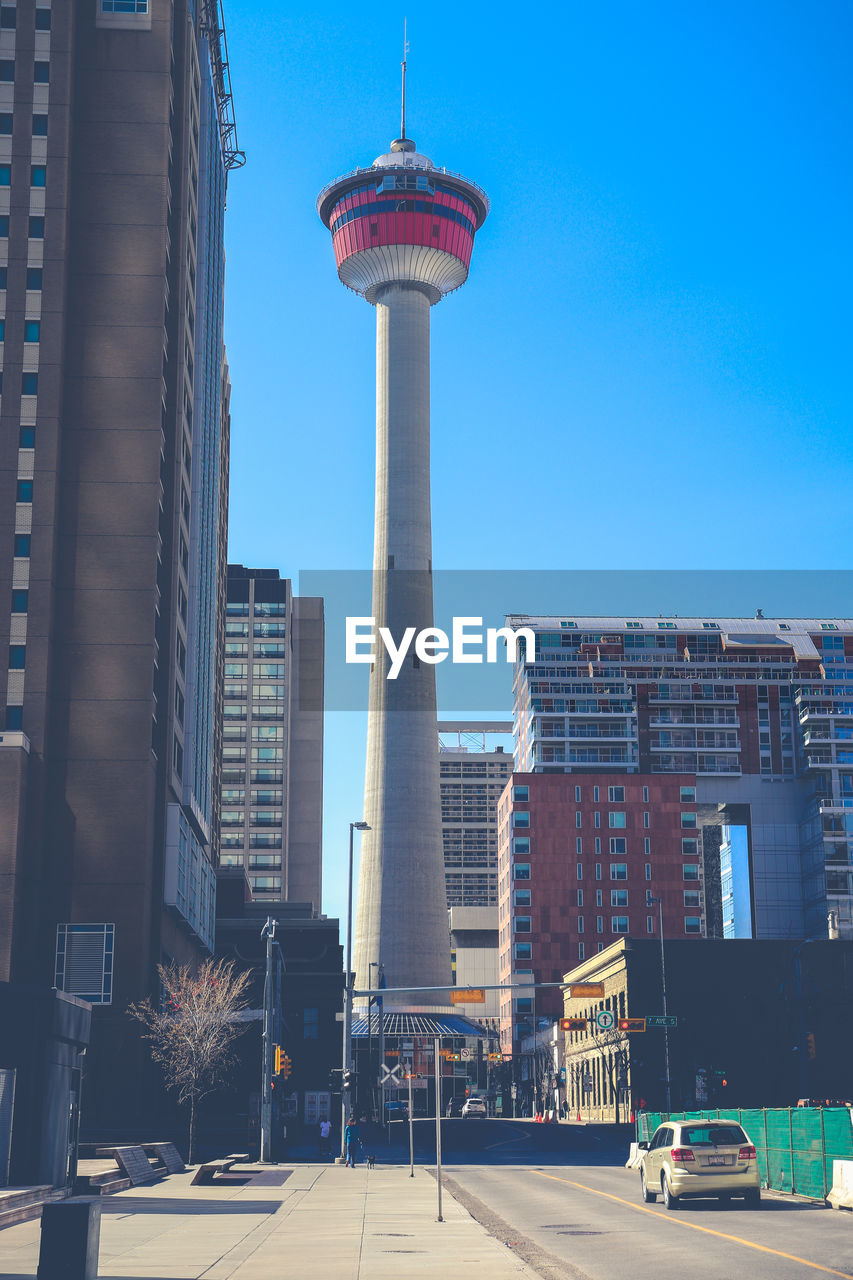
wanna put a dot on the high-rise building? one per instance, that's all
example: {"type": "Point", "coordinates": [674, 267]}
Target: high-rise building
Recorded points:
{"type": "Point", "coordinates": [116, 138]}
{"type": "Point", "coordinates": [473, 775]}
{"type": "Point", "coordinates": [403, 233]}
{"type": "Point", "coordinates": [583, 861]}
{"type": "Point", "coordinates": [756, 712]}
{"type": "Point", "coordinates": [271, 817]}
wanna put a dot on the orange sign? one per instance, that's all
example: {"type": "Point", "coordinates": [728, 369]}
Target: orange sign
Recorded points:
{"type": "Point", "coordinates": [468, 995]}
{"type": "Point", "coordinates": [584, 990]}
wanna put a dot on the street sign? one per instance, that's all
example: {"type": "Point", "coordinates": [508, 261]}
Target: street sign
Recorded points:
{"type": "Point", "coordinates": [632, 1024]}
{"type": "Point", "coordinates": [394, 1075]}
{"type": "Point", "coordinates": [604, 1020]}
{"type": "Point", "coordinates": [468, 995]}
{"type": "Point", "coordinates": [466, 1054]}
{"type": "Point", "coordinates": [513, 1088]}
{"type": "Point", "coordinates": [662, 1020]}
{"type": "Point", "coordinates": [573, 1024]}
{"type": "Point", "coordinates": [586, 990]}
{"type": "Point", "coordinates": [586, 1083]}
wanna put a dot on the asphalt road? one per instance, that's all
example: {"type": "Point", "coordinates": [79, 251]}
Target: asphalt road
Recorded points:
{"type": "Point", "coordinates": [583, 1220]}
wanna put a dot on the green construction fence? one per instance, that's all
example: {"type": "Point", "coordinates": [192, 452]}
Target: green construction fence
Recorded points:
{"type": "Point", "coordinates": [796, 1145]}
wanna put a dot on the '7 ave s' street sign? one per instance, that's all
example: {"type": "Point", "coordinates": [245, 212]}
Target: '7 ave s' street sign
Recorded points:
{"type": "Point", "coordinates": [661, 1020]}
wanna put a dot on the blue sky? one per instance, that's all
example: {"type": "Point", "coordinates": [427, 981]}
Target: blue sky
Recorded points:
{"type": "Point", "coordinates": [649, 367]}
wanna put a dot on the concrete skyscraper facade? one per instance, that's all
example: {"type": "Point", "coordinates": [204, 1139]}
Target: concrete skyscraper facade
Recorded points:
{"type": "Point", "coordinates": [403, 232]}
{"type": "Point", "coordinates": [116, 138]}
{"type": "Point", "coordinates": [272, 765]}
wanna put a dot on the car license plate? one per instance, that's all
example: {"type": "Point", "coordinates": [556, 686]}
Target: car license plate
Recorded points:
{"type": "Point", "coordinates": [716, 1159]}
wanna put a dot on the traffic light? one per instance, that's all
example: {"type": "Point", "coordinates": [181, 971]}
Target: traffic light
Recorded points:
{"type": "Point", "coordinates": [810, 1045]}
{"type": "Point", "coordinates": [346, 1080]}
{"type": "Point", "coordinates": [286, 1066]}
{"type": "Point", "coordinates": [573, 1024]}
{"type": "Point", "coordinates": [632, 1024]}
{"type": "Point", "coordinates": [279, 1059]}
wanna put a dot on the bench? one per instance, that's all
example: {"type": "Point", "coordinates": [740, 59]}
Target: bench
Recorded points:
{"type": "Point", "coordinates": [206, 1173]}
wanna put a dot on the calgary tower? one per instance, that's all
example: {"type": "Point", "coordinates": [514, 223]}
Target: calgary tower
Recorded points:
{"type": "Point", "coordinates": [403, 232]}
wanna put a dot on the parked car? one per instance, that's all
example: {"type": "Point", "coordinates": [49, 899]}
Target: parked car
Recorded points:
{"type": "Point", "coordinates": [474, 1107]}
{"type": "Point", "coordinates": [699, 1158]}
{"type": "Point", "coordinates": [396, 1111]}
{"type": "Point", "coordinates": [454, 1107]}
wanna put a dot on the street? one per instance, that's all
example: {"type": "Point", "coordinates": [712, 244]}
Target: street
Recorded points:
{"type": "Point", "coordinates": [590, 1220]}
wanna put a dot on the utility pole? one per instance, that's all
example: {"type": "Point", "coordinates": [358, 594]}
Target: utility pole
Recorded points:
{"type": "Point", "coordinates": [267, 932]}
{"type": "Point", "coordinates": [346, 1048]}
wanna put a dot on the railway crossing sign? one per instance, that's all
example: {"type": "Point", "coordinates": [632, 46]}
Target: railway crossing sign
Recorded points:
{"type": "Point", "coordinates": [392, 1075]}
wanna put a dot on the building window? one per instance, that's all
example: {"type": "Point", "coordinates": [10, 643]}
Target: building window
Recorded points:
{"type": "Point", "coordinates": [20, 601]}
{"type": "Point", "coordinates": [5, 123]}
{"type": "Point", "coordinates": [32, 330]}
{"type": "Point", "coordinates": [688, 819]}
{"type": "Point", "coordinates": [648, 871]}
{"type": "Point", "coordinates": [598, 870]}
{"type": "Point", "coordinates": [5, 175]}
{"type": "Point", "coordinates": [265, 884]}
{"type": "Point", "coordinates": [597, 817]}
{"type": "Point", "coordinates": [22, 545]}
{"type": "Point", "coordinates": [7, 71]}
{"type": "Point", "coordinates": [521, 819]}
{"type": "Point", "coordinates": [618, 897]}
{"type": "Point", "coordinates": [597, 845]}
{"type": "Point", "coordinates": [692, 924]}
{"type": "Point", "coordinates": [580, 924]}
{"type": "Point", "coordinates": [84, 961]}
{"type": "Point", "coordinates": [645, 795]}
{"type": "Point", "coordinates": [522, 924]}
{"type": "Point", "coordinates": [616, 795]}
{"type": "Point", "coordinates": [647, 846]}
{"type": "Point", "coordinates": [688, 795]}
{"type": "Point", "coordinates": [578, 818]}
{"type": "Point", "coordinates": [14, 718]}
{"type": "Point", "coordinates": [691, 898]}
{"type": "Point", "coordinates": [39, 125]}
{"type": "Point", "coordinates": [618, 844]}
{"type": "Point", "coordinates": [599, 900]}
{"type": "Point", "coordinates": [41, 74]}
{"type": "Point", "coordinates": [4, 273]}
{"type": "Point", "coordinates": [522, 951]}
{"type": "Point", "coordinates": [595, 795]}
{"type": "Point", "coordinates": [521, 793]}
{"type": "Point", "coordinates": [646, 820]}
{"type": "Point", "coordinates": [124, 6]}
{"type": "Point", "coordinates": [580, 951]}
{"type": "Point", "coordinates": [521, 871]}
{"type": "Point", "coordinates": [524, 1004]}
{"type": "Point", "coordinates": [521, 897]}
{"type": "Point", "coordinates": [618, 871]}
{"type": "Point", "coordinates": [578, 846]}
{"type": "Point", "coordinates": [24, 491]}
{"type": "Point", "coordinates": [617, 819]}
{"type": "Point", "coordinates": [34, 275]}
{"type": "Point", "coordinates": [599, 924]}
{"type": "Point", "coordinates": [4, 226]}
{"type": "Point", "coordinates": [619, 924]}
{"type": "Point", "coordinates": [178, 758]}
{"type": "Point", "coordinates": [650, 924]}
{"type": "Point", "coordinates": [27, 438]}
{"type": "Point", "coordinates": [580, 897]}
{"type": "Point", "coordinates": [17, 657]}
{"type": "Point", "coordinates": [577, 795]}
{"type": "Point", "coordinates": [311, 1024]}
{"type": "Point", "coordinates": [689, 846]}
{"type": "Point", "coordinates": [42, 19]}
{"type": "Point", "coordinates": [29, 384]}
{"type": "Point", "coordinates": [580, 871]}
{"type": "Point", "coordinates": [521, 844]}
{"type": "Point", "coordinates": [38, 173]}
{"type": "Point", "coordinates": [690, 871]}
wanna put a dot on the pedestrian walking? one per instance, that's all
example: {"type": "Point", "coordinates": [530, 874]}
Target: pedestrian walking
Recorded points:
{"type": "Point", "coordinates": [325, 1137]}
{"type": "Point", "coordinates": [352, 1138]}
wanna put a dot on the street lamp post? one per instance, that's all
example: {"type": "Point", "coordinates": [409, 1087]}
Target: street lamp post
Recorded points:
{"type": "Point", "coordinates": [667, 1084]}
{"type": "Point", "coordinates": [346, 1053]}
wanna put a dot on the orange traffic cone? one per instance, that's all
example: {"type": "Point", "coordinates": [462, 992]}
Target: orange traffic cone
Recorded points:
{"type": "Point", "coordinates": [579, 1117]}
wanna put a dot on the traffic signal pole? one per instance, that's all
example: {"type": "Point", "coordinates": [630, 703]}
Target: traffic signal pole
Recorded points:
{"type": "Point", "coordinates": [267, 1051]}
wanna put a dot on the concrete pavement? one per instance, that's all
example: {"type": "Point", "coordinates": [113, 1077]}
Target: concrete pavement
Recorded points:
{"type": "Point", "coordinates": [323, 1221]}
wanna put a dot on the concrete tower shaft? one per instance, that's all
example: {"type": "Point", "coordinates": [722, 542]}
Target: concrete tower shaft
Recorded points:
{"type": "Point", "coordinates": [403, 232]}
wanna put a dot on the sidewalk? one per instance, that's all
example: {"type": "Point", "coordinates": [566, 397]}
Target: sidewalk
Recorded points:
{"type": "Point", "coordinates": [322, 1221]}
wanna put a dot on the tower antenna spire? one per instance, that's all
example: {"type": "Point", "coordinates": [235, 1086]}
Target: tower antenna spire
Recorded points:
{"type": "Point", "coordinates": [405, 55]}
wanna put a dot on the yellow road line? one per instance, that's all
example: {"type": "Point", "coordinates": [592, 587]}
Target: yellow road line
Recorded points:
{"type": "Point", "coordinates": [694, 1226]}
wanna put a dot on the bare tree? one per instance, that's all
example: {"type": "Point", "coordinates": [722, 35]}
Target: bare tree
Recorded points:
{"type": "Point", "coordinates": [612, 1044]}
{"type": "Point", "coordinates": [192, 1030]}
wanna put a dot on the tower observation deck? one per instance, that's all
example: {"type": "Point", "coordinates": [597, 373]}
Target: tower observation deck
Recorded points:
{"type": "Point", "coordinates": [403, 233]}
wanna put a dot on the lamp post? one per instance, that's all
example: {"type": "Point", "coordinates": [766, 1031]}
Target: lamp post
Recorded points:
{"type": "Point", "coordinates": [346, 1053]}
{"type": "Point", "coordinates": [651, 900]}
